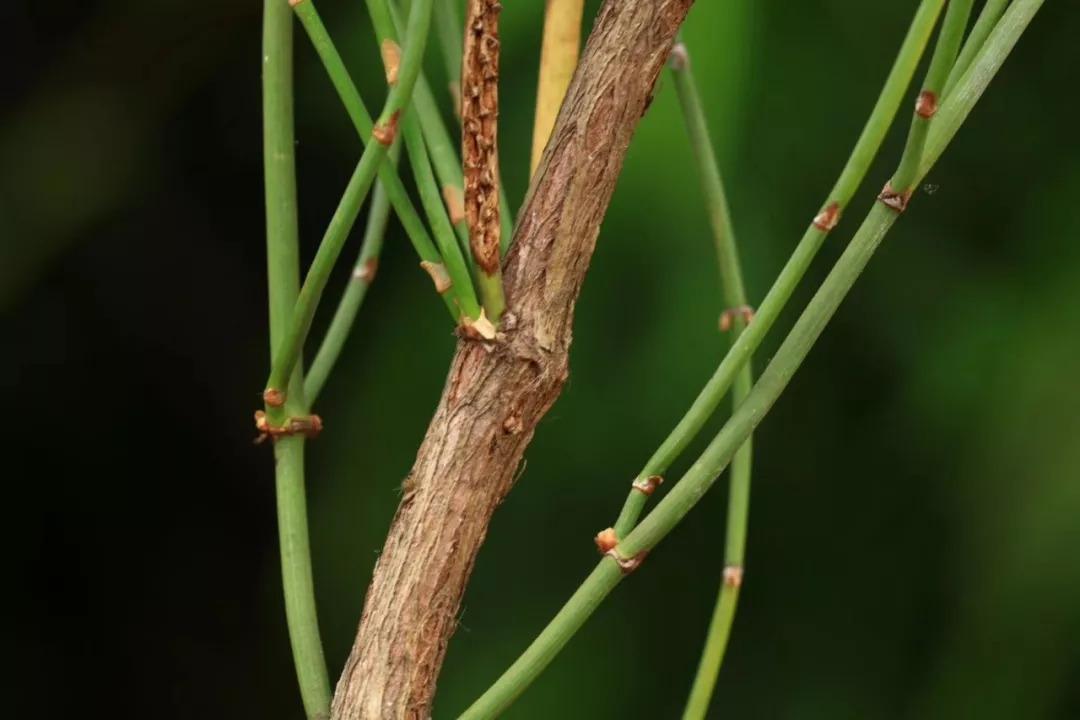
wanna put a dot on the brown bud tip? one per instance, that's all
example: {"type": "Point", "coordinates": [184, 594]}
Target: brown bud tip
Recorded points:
{"type": "Point", "coordinates": [439, 276]}
{"type": "Point", "coordinates": [391, 59]}
{"type": "Point", "coordinates": [727, 318]}
{"type": "Point", "coordinates": [387, 131]}
{"type": "Point", "coordinates": [367, 271]}
{"type": "Point", "coordinates": [273, 397]}
{"type": "Point", "coordinates": [310, 425]}
{"type": "Point", "coordinates": [478, 329]}
{"type": "Point", "coordinates": [733, 576]}
{"type": "Point", "coordinates": [648, 485]}
{"type": "Point", "coordinates": [679, 58]}
{"type": "Point", "coordinates": [898, 201]}
{"type": "Point", "coordinates": [826, 219]}
{"type": "Point", "coordinates": [260, 422]}
{"type": "Point", "coordinates": [927, 104]}
{"type": "Point", "coordinates": [455, 204]}
{"type": "Point", "coordinates": [606, 540]}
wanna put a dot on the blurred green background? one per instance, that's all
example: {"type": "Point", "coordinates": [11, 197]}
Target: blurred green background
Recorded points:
{"type": "Point", "coordinates": [914, 535]}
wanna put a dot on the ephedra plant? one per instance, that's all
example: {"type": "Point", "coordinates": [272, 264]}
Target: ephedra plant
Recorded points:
{"type": "Point", "coordinates": [510, 284]}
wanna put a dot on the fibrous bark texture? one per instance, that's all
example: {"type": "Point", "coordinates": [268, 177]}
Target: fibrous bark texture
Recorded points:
{"type": "Point", "coordinates": [496, 393]}
{"type": "Point", "coordinates": [479, 130]}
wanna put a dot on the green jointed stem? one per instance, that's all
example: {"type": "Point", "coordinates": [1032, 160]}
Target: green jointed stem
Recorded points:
{"type": "Point", "coordinates": [382, 20]}
{"type": "Point", "coordinates": [948, 45]}
{"type": "Point", "coordinates": [283, 276]}
{"type": "Point", "coordinates": [881, 118]}
{"type": "Point", "coordinates": [367, 263]}
{"type": "Point", "coordinates": [769, 386]}
{"type": "Point", "coordinates": [431, 199]}
{"type": "Point", "coordinates": [287, 352]}
{"type": "Point", "coordinates": [450, 28]}
{"type": "Point", "coordinates": [443, 152]}
{"type": "Point", "coordinates": [986, 22]}
{"type": "Point", "coordinates": [361, 119]}
{"type": "Point", "coordinates": [735, 298]}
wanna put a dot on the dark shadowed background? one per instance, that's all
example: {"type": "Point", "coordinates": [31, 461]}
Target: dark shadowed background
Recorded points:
{"type": "Point", "coordinates": [914, 536]}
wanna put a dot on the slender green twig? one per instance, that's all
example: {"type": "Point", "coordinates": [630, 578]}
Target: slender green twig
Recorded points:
{"type": "Point", "coordinates": [361, 119]}
{"type": "Point", "coordinates": [283, 275]}
{"type": "Point", "coordinates": [881, 118]}
{"type": "Point", "coordinates": [901, 185]}
{"type": "Point", "coordinates": [441, 149]}
{"type": "Point", "coordinates": [734, 317]}
{"type": "Point", "coordinates": [986, 22]}
{"type": "Point", "coordinates": [430, 197]}
{"type": "Point", "coordinates": [449, 26]}
{"type": "Point", "coordinates": [383, 135]}
{"type": "Point", "coordinates": [367, 264]}
{"type": "Point", "coordinates": [772, 382]}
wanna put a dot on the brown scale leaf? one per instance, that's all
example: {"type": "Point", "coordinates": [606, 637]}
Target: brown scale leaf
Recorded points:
{"type": "Point", "coordinates": [479, 136]}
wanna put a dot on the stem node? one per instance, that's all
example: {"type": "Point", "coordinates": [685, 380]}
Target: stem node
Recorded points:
{"type": "Point", "coordinates": [647, 485]}
{"type": "Point", "coordinates": [827, 219]}
{"type": "Point", "coordinates": [733, 576]}
{"type": "Point", "coordinates": [727, 318]}
{"type": "Point", "coordinates": [391, 58]}
{"type": "Point", "coordinates": [927, 104]}
{"type": "Point", "coordinates": [894, 200]}
{"type": "Point", "coordinates": [385, 132]}
{"type": "Point", "coordinates": [606, 540]}
{"type": "Point", "coordinates": [627, 564]}
{"type": "Point", "coordinates": [307, 425]}
{"type": "Point", "coordinates": [273, 397]}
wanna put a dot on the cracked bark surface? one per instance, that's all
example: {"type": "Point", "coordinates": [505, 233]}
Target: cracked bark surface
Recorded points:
{"type": "Point", "coordinates": [496, 393]}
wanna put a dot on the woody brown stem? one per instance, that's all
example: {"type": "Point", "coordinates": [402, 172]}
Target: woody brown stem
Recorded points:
{"type": "Point", "coordinates": [495, 395]}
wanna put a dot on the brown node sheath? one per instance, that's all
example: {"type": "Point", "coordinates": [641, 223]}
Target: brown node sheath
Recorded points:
{"type": "Point", "coordinates": [827, 219]}
{"type": "Point", "coordinates": [606, 540]}
{"type": "Point", "coordinates": [455, 206]}
{"type": "Point", "coordinates": [309, 425]}
{"type": "Point", "coordinates": [438, 274]}
{"type": "Point", "coordinates": [679, 58]}
{"type": "Point", "coordinates": [479, 135]}
{"type": "Point", "coordinates": [386, 132]}
{"type": "Point", "coordinates": [898, 201]}
{"type": "Point", "coordinates": [927, 104]}
{"type": "Point", "coordinates": [627, 565]}
{"type": "Point", "coordinates": [273, 397]}
{"type": "Point", "coordinates": [647, 486]}
{"type": "Point", "coordinates": [391, 58]}
{"type": "Point", "coordinates": [367, 271]}
{"type": "Point", "coordinates": [727, 318]}
{"type": "Point", "coordinates": [733, 575]}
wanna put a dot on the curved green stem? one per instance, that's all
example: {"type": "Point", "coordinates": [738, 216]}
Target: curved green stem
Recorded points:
{"type": "Point", "coordinates": [283, 276]}
{"type": "Point", "coordinates": [948, 45]}
{"type": "Point", "coordinates": [773, 380]}
{"type": "Point", "coordinates": [287, 352]}
{"type": "Point", "coordinates": [881, 118]}
{"type": "Point", "coordinates": [382, 20]}
{"type": "Point", "coordinates": [367, 263]}
{"type": "Point", "coordinates": [734, 298]}
{"type": "Point", "coordinates": [361, 120]}
{"type": "Point", "coordinates": [985, 23]}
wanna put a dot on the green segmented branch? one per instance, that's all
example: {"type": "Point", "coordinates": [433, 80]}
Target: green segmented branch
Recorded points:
{"type": "Point", "coordinates": [735, 300]}
{"type": "Point", "coordinates": [866, 147]}
{"type": "Point", "coordinates": [283, 276]}
{"type": "Point", "coordinates": [430, 197]}
{"type": "Point", "coordinates": [985, 23]}
{"type": "Point", "coordinates": [287, 352]}
{"type": "Point", "coordinates": [902, 183]}
{"type": "Point", "coordinates": [354, 105]}
{"type": "Point", "coordinates": [364, 270]}
{"type": "Point", "coordinates": [702, 474]}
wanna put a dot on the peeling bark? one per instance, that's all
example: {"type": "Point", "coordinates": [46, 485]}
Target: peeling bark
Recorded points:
{"type": "Point", "coordinates": [496, 393]}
